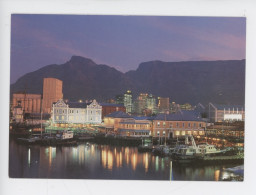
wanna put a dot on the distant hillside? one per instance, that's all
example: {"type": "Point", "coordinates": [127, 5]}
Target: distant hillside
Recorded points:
{"type": "Point", "coordinates": [221, 82]}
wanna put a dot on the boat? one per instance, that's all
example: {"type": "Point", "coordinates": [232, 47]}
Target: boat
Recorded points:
{"type": "Point", "coordinates": [209, 149]}
{"type": "Point", "coordinates": [147, 147]}
{"type": "Point", "coordinates": [188, 152]}
{"type": "Point", "coordinates": [65, 135]}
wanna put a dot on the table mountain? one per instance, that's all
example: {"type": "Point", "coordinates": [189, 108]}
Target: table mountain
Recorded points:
{"type": "Point", "coordinates": [221, 82]}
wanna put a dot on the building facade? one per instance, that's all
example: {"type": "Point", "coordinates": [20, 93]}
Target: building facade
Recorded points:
{"type": "Point", "coordinates": [108, 108]}
{"type": "Point", "coordinates": [30, 103]}
{"type": "Point", "coordinates": [128, 101]}
{"type": "Point", "coordinates": [220, 113]}
{"type": "Point", "coordinates": [52, 92]}
{"type": "Point", "coordinates": [18, 115]}
{"type": "Point", "coordinates": [76, 113]}
{"type": "Point", "coordinates": [163, 104]}
{"type": "Point", "coordinates": [178, 124]}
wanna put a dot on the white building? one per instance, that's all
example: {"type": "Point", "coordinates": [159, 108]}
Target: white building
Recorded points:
{"type": "Point", "coordinates": [76, 113]}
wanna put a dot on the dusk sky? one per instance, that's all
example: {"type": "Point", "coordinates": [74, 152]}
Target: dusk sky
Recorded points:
{"type": "Point", "coordinates": [122, 42]}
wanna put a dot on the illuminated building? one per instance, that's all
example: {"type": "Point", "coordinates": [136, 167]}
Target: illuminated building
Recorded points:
{"type": "Point", "coordinates": [140, 103]}
{"type": "Point", "coordinates": [145, 104]}
{"type": "Point", "coordinates": [30, 103]}
{"type": "Point", "coordinates": [18, 113]}
{"type": "Point", "coordinates": [52, 92]}
{"type": "Point", "coordinates": [185, 106]}
{"type": "Point", "coordinates": [119, 99]}
{"type": "Point", "coordinates": [151, 104]}
{"type": "Point", "coordinates": [128, 101]}
{"type": "Point", "coordinates": [163, 104]}
{"type": "Point", "coordinates": [76, 113]}
{"type": "Point", "coordinates": [219, 113]}
{"type": "Point", "coordinates": [178, 124]}
{"type": "Point", "coordinates": [126, 125]}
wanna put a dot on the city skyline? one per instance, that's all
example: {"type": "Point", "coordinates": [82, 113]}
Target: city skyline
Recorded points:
{"type": "Point", "coordinates": [122, 42]}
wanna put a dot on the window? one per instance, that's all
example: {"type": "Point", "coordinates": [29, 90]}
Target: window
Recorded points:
{"type": "Point", "coordinates": [188, 124]}
{"type": "Point", "coordinates": [57, 111]}
{"type": "Point", "coordinates": [170, 125]}
{"type": "Point", "coordinates": [57, 117]}
{"type": "Point", "coordinates": [158, 133]}
{"type": "Point", "coordinates": [158, 124]}
{"type": "Point", "coordinates": [200, 125]}
{"type": "Point", "coordinates": [194, 124]}
{"type": "Point", "coordinates": [164, 124]}
{"type": "Point", "coordinates": [177, 124]}
{"type": "Point", "coordinates": [63, 111]}
{"type": "Point", "coordinates": [62, 117]}
{"type": "Point", "coordinates": [183, 125]}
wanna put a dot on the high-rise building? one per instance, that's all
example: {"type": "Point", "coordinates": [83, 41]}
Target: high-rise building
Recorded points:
{"type": "Point", "coordinates": [30, 103]}
{"type": "Point", "coordinates": [151, 104]}
{"type": "Point", "coordinates": [163, 104]}
{"type": "Point", "coordinates": [52, 92]}
{"type": "Point", "coordinates": [119, 99]}
{"type": "Point", "coordinates": [141, 103]}
{"type": "Point", "coordinates": [128, 101]}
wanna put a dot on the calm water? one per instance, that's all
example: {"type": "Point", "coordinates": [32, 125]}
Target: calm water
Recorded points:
{"type": "Point", "coordinates": [101, 162]}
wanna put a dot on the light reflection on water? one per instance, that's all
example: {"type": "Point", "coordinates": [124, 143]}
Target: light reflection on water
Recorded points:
{"type": "Point", "coordinates": [94, 161]}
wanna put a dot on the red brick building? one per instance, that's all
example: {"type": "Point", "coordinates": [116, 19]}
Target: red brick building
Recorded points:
{"type": "Point", "coordinates": [108, 108]}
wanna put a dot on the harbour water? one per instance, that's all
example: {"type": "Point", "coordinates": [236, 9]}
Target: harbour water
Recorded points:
{"type": "Point", "coordinates": [94, 161]}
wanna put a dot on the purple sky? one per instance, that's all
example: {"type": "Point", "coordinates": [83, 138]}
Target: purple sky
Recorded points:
{"type": "Point", "coordinates": [122, 41]}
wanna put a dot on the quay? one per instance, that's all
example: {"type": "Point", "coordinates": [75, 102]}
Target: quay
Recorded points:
{"type": "Point", "coordinates": [239, 158]}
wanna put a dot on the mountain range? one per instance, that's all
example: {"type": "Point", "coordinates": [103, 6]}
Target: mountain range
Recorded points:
{"type": "Point", "coordinates": [221, 82]}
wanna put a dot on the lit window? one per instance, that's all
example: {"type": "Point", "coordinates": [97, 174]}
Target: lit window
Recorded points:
{"type": "Point", "coordinates": [62, 117]}
{"type": "Point", "coordinates": [164, 124]}
{"type": "Point", "coordinates": [57, 117]}
{"type": "Point", "coordinates": [157, 132]}
{"type": "Point", "coordinates": [158, 124]}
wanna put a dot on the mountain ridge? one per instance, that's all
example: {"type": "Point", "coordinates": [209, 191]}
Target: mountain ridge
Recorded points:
{"type": "Point", "coordinates": [185, 81]}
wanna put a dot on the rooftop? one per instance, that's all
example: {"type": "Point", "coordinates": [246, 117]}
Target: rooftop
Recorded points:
{"type": "Point", "coordinates": [184, 115]}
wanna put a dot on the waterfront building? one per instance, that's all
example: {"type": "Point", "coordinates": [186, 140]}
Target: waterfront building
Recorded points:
{"type": "Point", "coordinates": [52, 92]}
{"type": "Point", "coordinates": [219, 113]}
{"type": "Point", "coordinates": [164, 104]}
{"type": "Point", "coordinates": [76, 113]}
{"type": "Point", "coordinates": [108, 108]}
{"type": "Point", "coordinates": [125, 125]}
{"type": "Point", "coordinates": [30, 103]}
{"type": "Point", "coordinates": [128, 101]}
{"type": "Point", "coordinates": [226, 131]}
{"type": "Point", "coordinates": [111, 121]}
{"type": "Point", "coordinates": [135, 127]}
{"type": "Point", "coordinates": [178, 124]}
{"type": "Point", "coordinates": [18, 113]}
